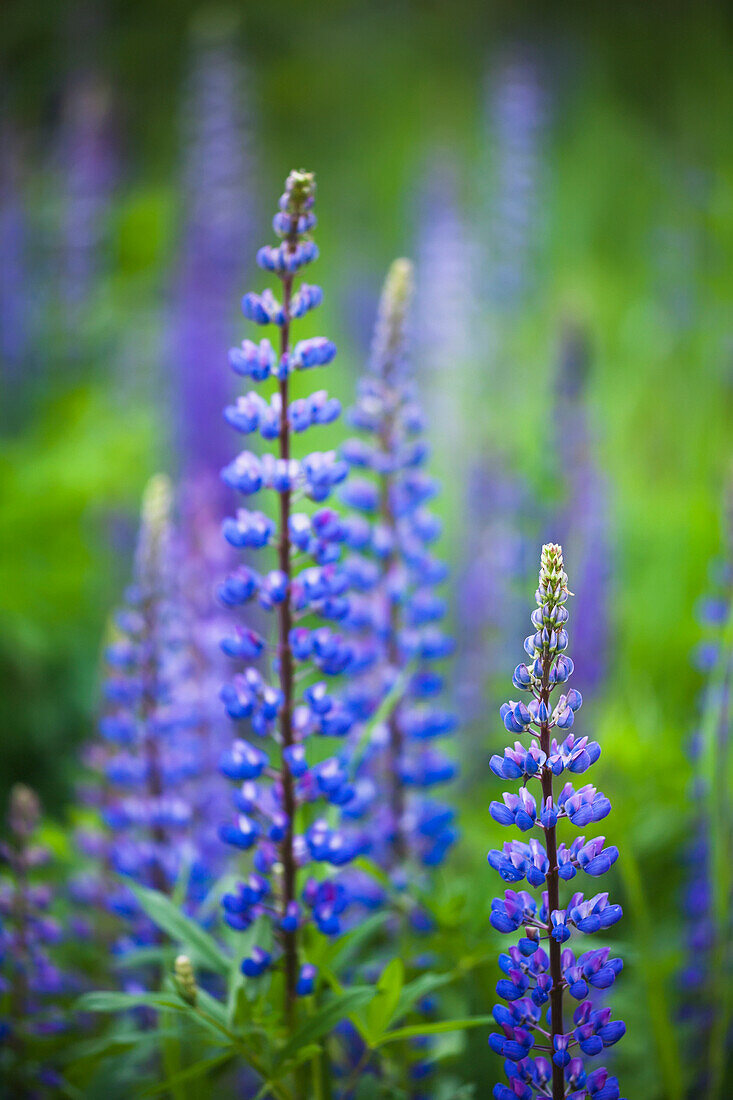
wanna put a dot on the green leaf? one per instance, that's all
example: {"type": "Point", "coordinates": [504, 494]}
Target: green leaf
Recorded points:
{"type": "Point", "coordinates": [305, 1054]}
{"type": "Point", "coordinates": [324, 1020]}
{"type": "Point", "coordinates": [208, 1013]}
{"type": "Point", "coordinates": [171, 1054]}
{"type": "Point", "coordinates": [92, 1050]}
{"type": "Point", "coordinates": [183, 931]}
{"type": "Point", "coordinates": [180, 889]}
{"type": "Point", "coordinates": [415, 990]}
{"type": "Point", "coordinates": [348, 946]}
{"type": "Point", "coordinates": [374, 871]}
{"type": "Point", "coordinates": [191, 1073]}
{"type": "Point", "coordinates": [257, 932]}
{"type": "Point", "coordinates": [382, 1007]}
{"type": "Point", "coordinates": [112, 1001]}
{"type": "Point", "coordinates": [390, 701]}
{"type": "Point", "coordinates": [208, 1004]}
{"type": "Point", "coordinates": [142, 956]}
{"type": "Point", "coordinates": [434, 1029]}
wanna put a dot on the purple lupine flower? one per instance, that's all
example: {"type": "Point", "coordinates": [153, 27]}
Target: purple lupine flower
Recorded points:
{"type": "Point", "coordinates": [217, 234]}
{"type": "Point", "coordinates": [495, 561]}
{"type": "Point", "coordinates": [304, 579]}
{"type": "Point", "coordinates": [584, 515]}
{"type": "Point", "coordinates": [14, 306]}
{"type": "Point", "coordinates": [515, 113]}
{"type": "Point", "coordinates": [396, 575]}
{"type": "Point", "coordinates": [446, 309]}
{"type": "Point", "coordinates": [87, 159]}
{"type": "Point", "coordinates": [161, 736]}
{"type": "Point", "coordinates": [32, 986]}
{"type": "Point", "coordinates": [707, 896]}
{"type": "Point", "coordinates": [539, 970]}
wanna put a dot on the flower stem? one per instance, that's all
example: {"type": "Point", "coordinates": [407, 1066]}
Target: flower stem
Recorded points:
{"type": "Point", "coordinates": [150, 745]}
{"type": "Point", "coordinates": [396, 787]}
{"type": "Point", "coordinates": [553, 888]}
{"type": "Point", "coordinates": [285, 622]}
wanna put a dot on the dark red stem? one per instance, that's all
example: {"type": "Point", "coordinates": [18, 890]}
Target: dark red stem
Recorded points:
{"type": "Point", "coordinates": [553, 888]}
{"type": "Point", "coordinates": [285, 623]}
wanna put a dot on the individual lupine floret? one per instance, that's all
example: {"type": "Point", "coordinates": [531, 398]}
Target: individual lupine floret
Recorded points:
{"type": "Point", "coordinates": [536, 976]}
{"type": "Point", "coordinates": [306, 582]}
{"type": "Point", "coordinates": [395, 574]}
{"type": "Point", "coordinates": [32, 987]}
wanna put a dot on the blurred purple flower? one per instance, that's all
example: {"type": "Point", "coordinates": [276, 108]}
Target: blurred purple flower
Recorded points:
{"type": "Point", "coordinates": [218, 215]}
{"type": "Point", "coordinates": [515, 116]}
{"type": "Point", "coordinates": [583, 520]}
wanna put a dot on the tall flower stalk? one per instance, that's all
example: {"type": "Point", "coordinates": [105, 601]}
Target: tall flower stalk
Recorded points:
{"type": "Point", "coordinates": [217, 206]}
{"type": "Point", "coordinates": [31, 984]}
{"type": "Point", "coordinates": [159, 753]}
{"type": "Point", "coordinates": [398, 574]}
{"type": "Point", "coordinates": [535, 976]}
{"type": "Point", "coordinates": [446, 312]}
{"type": "Point", "coordinates": [285, 704]}
{"type": "Point", "coordinates": [584, 515]}
{"type": "Point", "coordinates": [706, 976]}
{"type": "Point", "coordinates": [515, 113]}
{"type": "Point", "coordinates": [495, 562]}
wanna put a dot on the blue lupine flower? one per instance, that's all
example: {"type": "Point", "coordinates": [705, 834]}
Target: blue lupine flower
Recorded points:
{"type": "Point", "coordinates": [162, 731]}
{"type": "Point", "coordinates": [217, 210]}
{"type": "Point", "coordinates": [308, 580]}
{"type": "Point", "coordinates": [88, 158]}
{"type": "Point", "coordinates": [395, 573]}
{"type": "Point", "coordinates": [447, 309]}
{"type": "Point", "coordinates": [708, 922]}
{"type": "Point", "coordinates": [32, 986]}
{"type": "Point", "coordinates": [15, 310]}
{"type": "Point", "coordinates": [495, 555]}
{"type": "Point", "coordinates": [535, 976]}
{"type": "Point", "coordinates": [584, 515]}
{"type": "Point", "coordinates": [515, 113]}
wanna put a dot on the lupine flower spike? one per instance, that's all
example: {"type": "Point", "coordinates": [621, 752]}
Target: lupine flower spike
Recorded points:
{"type": "Point", "coordinates": [31, 985]}
{"type": "Point", "coordinates": [584, 516]}
{"type": "Point", "coordinates": [218, 189]}
{"type": "Point", "coordinates": [286, 704]}
{"type": "Point", "coordinates": [539, 970]}
{"type": "Point", "coordinates": [397, 575]}
{"type": "Point", "coordinates": [706, 975]}
{"type": "Point", "coordinates": [159, 753]}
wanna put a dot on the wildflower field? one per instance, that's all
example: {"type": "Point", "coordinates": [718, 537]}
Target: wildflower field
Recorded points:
{"type": "Point", "coordinates": [366, 550]}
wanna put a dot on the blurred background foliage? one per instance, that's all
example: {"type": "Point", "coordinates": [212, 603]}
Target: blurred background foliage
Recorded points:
{"type": "Point", "coordinates": [617, 211]}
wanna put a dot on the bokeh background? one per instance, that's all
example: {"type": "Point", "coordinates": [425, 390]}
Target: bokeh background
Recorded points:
{"type": "Point", "coordinates": [564, 183]}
